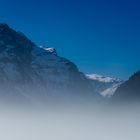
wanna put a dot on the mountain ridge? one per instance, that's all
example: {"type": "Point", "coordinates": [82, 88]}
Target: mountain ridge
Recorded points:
{"type": "Point", "coordinates": [36, 72]}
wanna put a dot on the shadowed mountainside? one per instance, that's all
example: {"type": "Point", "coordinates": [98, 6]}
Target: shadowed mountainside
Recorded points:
{"type": "Point", "coordinates": [129, 90]}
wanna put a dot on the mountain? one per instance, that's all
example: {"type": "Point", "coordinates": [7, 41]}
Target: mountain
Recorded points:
{"type": "Point", "coordinates": [32, 72]}
{"type": "Point", "coordinates": [105, 86]}
{"type": "Point", "coordinates": [129, 90]}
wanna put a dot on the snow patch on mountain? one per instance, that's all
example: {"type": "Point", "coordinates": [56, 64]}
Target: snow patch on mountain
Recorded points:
{"type": "Point", "coordinates": [110, 91]}
{"type": "Point", "coordinates": [49, 50]}
{"type": "Point", "coordinates": [105, 86]}
{"type": "Point", "coordinates": [101, 78]}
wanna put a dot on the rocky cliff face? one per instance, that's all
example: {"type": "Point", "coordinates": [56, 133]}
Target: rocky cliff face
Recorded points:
{"type": "Point", "coordinates": [36, 73]}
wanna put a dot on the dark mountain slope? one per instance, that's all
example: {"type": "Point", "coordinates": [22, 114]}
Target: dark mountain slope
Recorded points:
{"type": "Point", "coordinates": [129, 90]}
{"type": "Point", "coordinates": [36, 73]}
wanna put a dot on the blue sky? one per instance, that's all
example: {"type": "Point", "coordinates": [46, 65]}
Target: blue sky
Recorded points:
{"type": "Point", "coordinates": [100, 36]}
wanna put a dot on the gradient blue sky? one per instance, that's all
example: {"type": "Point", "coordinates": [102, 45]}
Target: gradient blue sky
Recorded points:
{"type": "Point", "coordinates": [99, 36]}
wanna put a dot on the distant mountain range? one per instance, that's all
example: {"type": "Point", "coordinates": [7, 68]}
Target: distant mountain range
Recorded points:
{"type": "Point", "coordinates": [37, 73]}
{"type": "Point", "coordinates": [105, 86]}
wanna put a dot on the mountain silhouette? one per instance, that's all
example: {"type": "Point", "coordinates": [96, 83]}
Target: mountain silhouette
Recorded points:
{"type": "Point", "coordinates": [129, 90]}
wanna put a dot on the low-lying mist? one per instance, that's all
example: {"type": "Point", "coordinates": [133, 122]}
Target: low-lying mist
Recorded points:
{"type": "Point", "coordinates": [65, 121]}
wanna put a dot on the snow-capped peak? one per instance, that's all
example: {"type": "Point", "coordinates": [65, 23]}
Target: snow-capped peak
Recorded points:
{"type": "Point", "coordinates": [105, 86]}
{"type": "Point", "coordinates": [101, 78]}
